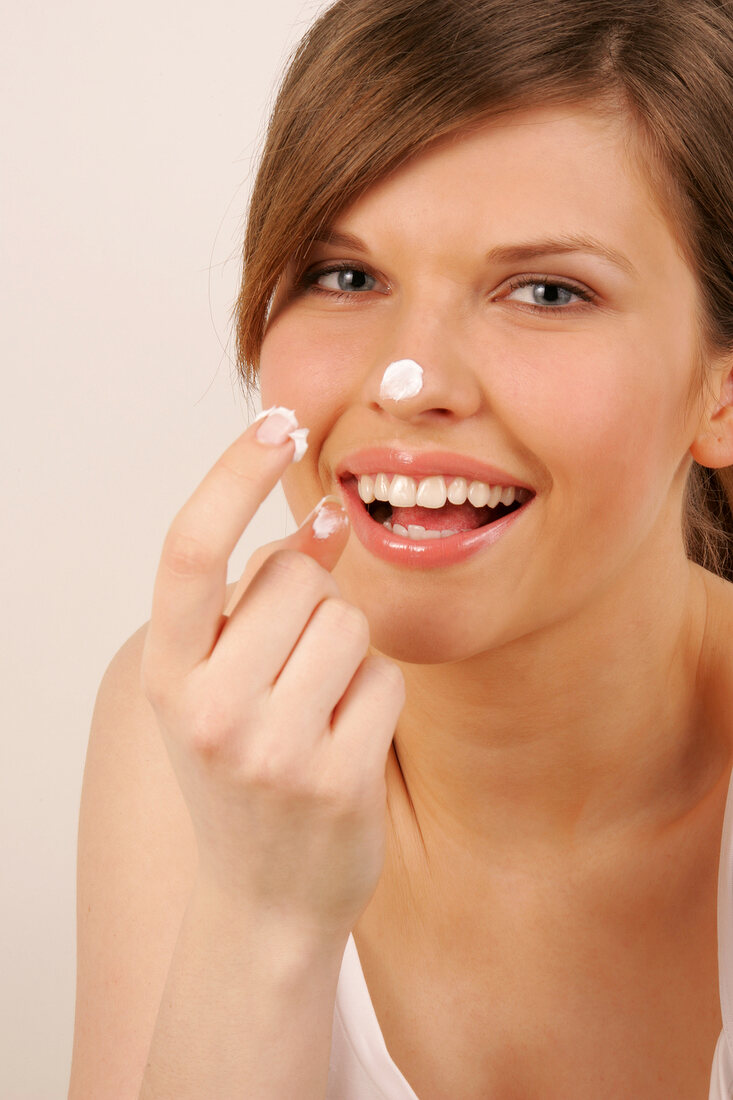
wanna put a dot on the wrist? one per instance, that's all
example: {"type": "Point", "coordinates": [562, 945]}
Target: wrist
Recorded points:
{"type": "Point", "coordinates": [284, 937]}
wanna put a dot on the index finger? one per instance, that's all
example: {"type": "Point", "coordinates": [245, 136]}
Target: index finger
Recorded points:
{"type": "Point", "coordinates": [190, 584]}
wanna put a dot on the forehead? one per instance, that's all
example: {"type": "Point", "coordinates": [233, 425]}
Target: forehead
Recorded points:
{"type": "Point", "coordinates": [565, 170]}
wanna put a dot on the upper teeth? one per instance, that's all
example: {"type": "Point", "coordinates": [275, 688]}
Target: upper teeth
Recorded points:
{"type": "Point", "coordinates": [432, 492]}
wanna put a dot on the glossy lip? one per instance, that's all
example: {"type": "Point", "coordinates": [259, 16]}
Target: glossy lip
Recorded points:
{"type": "Point", "coordinates": [397, 459]}
{"type": "Point", "coordinates": [428, 553]}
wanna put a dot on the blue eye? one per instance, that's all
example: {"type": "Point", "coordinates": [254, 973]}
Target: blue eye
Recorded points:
{"type": "Point", "coordinates": [548, 295]}
{"type": "Point", "coordinates": [348, 279]}
{"type": "Point", "coordinates": [339, 279]}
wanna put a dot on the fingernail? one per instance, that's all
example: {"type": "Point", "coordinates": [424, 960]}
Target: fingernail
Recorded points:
{"type": "Point", "coordinates": [277, 424]}
{"type": "Point", "coordinates": [280, 424]}
{"type": "Point", "coordinates": [328, 516]}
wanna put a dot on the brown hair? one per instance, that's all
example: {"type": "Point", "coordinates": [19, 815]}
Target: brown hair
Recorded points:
{"type": "Point", "coordinates": [374, 82]}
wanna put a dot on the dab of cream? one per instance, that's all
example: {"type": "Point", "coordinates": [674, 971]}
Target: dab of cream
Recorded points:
{"type": "Point", "coordinates": [298, 435]}
{"type": "Point", "coordinates": [401, 379]}
{"type": "Point", "coordinates": [325, 522]}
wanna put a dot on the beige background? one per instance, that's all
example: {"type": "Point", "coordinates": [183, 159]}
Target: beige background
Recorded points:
{"type": "Point", "coordinates": [127, 134]}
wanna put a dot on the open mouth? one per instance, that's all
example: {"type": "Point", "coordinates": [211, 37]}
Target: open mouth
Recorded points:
{"type": "Point", "coordinates": [382, 511]}
{"type": "Point", "coordinates": [437, 517]}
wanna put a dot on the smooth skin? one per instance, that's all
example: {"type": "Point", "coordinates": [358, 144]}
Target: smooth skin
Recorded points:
{"type": "Point", "coordinates": [564, 738]}
{"type": "Point", "coordinates": [550, 654]}
{"type": "Point", "coordinates": [281, 761]}
{"type": "Point", "coordinates": [567, 733]}
{"type": "Point", "coordinates": [277, 722]}
{"type": "Point", "coordinates": [280, 758]}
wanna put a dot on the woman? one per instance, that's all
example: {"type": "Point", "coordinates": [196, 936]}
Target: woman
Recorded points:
{"type": "Point", "coordinates": [430, 803]}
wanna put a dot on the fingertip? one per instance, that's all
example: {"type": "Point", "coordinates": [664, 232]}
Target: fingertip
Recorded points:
{"type": "Point", "coordinates": [327, 519]}
{"type": "Point", "coordinates": [277, 425]}
{"type": "Point", "coordinates": [324, 533]}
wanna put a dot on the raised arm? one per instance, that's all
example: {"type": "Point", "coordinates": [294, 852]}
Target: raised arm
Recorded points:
{"type": "Point", "coordinates": [277, 726]}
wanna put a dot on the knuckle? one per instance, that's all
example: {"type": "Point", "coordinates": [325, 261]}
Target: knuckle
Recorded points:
{"type": "Point", "coordinates": [242, 475]}
{"type": "Point", "coordinates": [296, 568]}
{"type": "Point", "coordinates": [388, 673]}
{"type": "Point", "coordinates": [205, 743]}
{"type": "Point", "coordinates": [348, 619]}
{"type": "Point", "coordinates": [272, 771]}
{"type": "Point", "coordinates": [185, 555]}
{"type": "Point", "coordinates": [274, 767]}
{"type": "Point", "coordinates": [212, 728]}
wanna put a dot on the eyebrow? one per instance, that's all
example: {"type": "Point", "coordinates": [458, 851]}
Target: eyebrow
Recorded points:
{"type": "Point", "coordinates": [560, 246]}
{"type": "Point", "coordinates": [563, 245]}
{"type": "Point", "coordinates": [346, 240]}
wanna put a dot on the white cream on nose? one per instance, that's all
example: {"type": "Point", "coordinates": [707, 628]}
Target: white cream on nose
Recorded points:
{"type": "Point", "coordinates": [401, 379]}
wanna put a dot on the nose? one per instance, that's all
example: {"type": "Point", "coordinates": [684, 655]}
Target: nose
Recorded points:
{"type": "Point", "coordinates": [422, 373]}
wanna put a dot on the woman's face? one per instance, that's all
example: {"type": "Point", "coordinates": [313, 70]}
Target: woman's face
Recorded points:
{"type": "Point", "coordinates": [579, 392]}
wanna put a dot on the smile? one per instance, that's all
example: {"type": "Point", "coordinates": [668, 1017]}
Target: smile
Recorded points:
{"type": "Point", "coordinates": [444, 506]}
{"type": "Point", "coordinates": [430, 533]}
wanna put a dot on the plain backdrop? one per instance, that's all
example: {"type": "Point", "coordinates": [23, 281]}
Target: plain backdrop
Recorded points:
{"type": "Point", "coordinates": [128, 136]}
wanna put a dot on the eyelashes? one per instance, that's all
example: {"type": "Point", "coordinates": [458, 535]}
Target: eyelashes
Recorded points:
{"type": "Point", "coordinates": [307, 282]}
{"type": "Point", "coordinates": [549, 283]}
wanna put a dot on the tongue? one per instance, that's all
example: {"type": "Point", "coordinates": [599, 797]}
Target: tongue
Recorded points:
{"type": "Point", "coordinates": [451, 517]}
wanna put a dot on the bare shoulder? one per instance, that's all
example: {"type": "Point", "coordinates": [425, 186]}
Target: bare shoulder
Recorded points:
{"type": "Point", "coordinates": [136, 864]}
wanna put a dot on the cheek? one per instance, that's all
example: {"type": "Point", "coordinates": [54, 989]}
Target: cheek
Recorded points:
{"type": "Point", "coordinates": [301, 371]}
{"type": "Point", "coordinates": [280, 381]}
{"type": "Point", "coordinates": [606, 427]}
{"type": "Point", "coordinates": [305, 369]}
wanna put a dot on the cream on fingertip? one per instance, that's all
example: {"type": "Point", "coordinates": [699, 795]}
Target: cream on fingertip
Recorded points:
{"type": "Point", "coordinates": [299, 438]}
{"type": "Point", "coordinates": [289, 419]}
{"type": "Point", "coordinates": [326, 521]}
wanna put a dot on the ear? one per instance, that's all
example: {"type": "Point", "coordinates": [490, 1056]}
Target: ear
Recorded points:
{"type": "Point", "coordinates": [713, 445]}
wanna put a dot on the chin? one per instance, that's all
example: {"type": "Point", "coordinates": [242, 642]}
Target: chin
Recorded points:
{"type": "Point", "coordinates": [412, 620]}
{"type": "Point", "coordinates": [423, 652]}
{"type": "Point", "coordinates": [415, 640]}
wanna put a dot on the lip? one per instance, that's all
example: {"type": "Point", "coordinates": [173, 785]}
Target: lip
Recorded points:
{"type": "Point", "coordinates": [427, 553]}
{"type": "Point", "coordinates": [397, 459]}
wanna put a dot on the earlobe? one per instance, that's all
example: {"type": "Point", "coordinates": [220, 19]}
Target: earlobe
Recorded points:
{"type": "Point", "coordinates": [713, 445]}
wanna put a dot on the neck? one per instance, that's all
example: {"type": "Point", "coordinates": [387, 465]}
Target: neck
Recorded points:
{"type": "Point", "coordinates": [583, 729]}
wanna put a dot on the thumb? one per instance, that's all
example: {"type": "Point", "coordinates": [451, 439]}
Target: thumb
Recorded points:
{"type": "Point", "coordinates": [322, 535]}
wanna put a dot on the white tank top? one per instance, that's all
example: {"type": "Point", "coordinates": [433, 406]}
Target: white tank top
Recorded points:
{"type": "Point", "coordinates": [362, 1069]}
{"type": "Point", "coordinates": [360, 1066]}
{"type": "Point", "coordinates": [721, 1079]}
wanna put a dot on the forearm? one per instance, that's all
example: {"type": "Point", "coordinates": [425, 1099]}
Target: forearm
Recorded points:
{"type": "Point", "coordinates": [247, 1011]}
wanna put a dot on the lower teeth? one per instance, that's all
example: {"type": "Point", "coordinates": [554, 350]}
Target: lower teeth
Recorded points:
{"type": "Point", "coordinates": [415, 532]}
{"type": "Point", "coordinates": [381, 512]}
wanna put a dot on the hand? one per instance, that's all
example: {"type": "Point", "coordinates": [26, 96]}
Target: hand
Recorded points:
{"type": "Point", "coordinates": [277, 721]}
